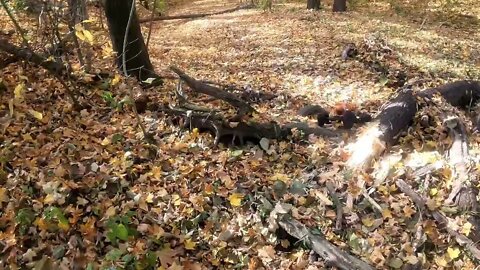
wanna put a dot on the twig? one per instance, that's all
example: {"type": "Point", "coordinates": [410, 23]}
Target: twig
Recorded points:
{"type": "Point", "coordinates": [17, 26]}
{"type": "Point", "coordinates": [124, 66]}
{"type": "Point", "coordinates": [338, 206]}
{"type": "Point", "coordinates": [441, 219]}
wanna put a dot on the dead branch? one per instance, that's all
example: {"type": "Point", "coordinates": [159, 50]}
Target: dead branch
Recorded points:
{"type": "Point", "coordinates": [30, 56]}
{"type": "Point", "coordinates": [458, 156]}
{"type": "Point", "coordinates": [318, 243]}
{"type": "Point", "coordinates": [442, 220]}
{"type": "Point", "coordinates": [242, 106]}
{"type": "Point", "coordinates": [194, 16]}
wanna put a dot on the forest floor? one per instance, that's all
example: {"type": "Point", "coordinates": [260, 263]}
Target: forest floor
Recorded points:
{"type": "Point", "coordinates": [84, 189]}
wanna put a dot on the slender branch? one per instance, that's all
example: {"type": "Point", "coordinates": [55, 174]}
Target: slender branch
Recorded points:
{"type": "Point", "coordinates": [14, 21]}
{"type": "Point", "coordinates": [125, 72]}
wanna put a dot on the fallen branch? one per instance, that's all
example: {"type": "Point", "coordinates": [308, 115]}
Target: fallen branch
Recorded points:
{"type": "Point", "coordinates": [440, 218]}
{"type": "Point", "coordinates": [31, 56]}
{"type": "Point", "coordinates": [196, 85]}
{"type": "Point", "coordinates": [318, 243]}
{"type": "Point", "coordinates": [194, 16]}
{"type": "Point", "coordinates": [458, 156]}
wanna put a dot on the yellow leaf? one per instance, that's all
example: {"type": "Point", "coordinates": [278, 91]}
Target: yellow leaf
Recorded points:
{"type": "Point", "coordinates": [149, 198]}
{"type": "Point", "coordinates": [367, 221]}
{"type": "Point", "coordinates": [106, 141]}
{"type": "Point", "coordinates": [19, 91]}
{"type": "Point", "coordinates": [189, 244]}
{"type": "Point", "coordinates": [49, 199]}
{"type": "Point", "coordinates": [37, 115]}
{"type": "Point", "coordinates": [386, 213]}
{"type": "Point", "coordinates": [110, 212]}
{"type": "Point", "coordinates": [236, 199]}
{"type": "Point", "coordinates": [79, 34]}
{"type": "Point", "coordinates": [453, 253]}
{"type": "Point", "coordinates": [64, 226]}
{"type": "Point", "coordinates": [115, 79]}
{"type": "Point", "coordinates": [441, 261]}
{"type": "Point", "coordinates": [176, 199]}
{"type": "Point", "coordinates": [433, 191]}
{"type": "Point", "coordinates": [88, 36]}
{"type": "Point", "coordinates": [467, 228]}
{"type": "Point", "coordinates": [41, 224]}
{"type": "Point", "coordinates": [3, 195]}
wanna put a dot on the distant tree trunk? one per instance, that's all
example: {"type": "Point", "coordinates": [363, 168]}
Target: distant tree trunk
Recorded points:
{"type": "Point", "coordinates": [78, 10]}
{"type": "Point", "coordinates": [339, 5]}
{"type": "Point", "coordinates": [313, 4]}
{"type": "Point", "coordinates": [137, 60]}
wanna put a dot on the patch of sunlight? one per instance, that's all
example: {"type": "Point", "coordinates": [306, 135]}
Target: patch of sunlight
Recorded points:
{"type": "Point", "coordinates": [417, 160]}
{"type": "Point", "coordinates": [366, 147]}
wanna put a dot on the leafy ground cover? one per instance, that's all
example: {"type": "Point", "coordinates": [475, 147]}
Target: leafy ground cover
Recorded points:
{"type": "Point", "coordinates": [83, 190]}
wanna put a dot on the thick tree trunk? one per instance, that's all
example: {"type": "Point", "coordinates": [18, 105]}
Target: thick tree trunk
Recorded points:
{"type": "Point", "coordinates": [313, 4]}
{"type": "Point", "coordinates": [339, 5]}
{"type": "Point", "coordinates": [137, 60]}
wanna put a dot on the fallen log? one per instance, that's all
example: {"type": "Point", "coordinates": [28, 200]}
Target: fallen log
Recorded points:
{"type": "Point", "coordinates": [398, 114]}
{"type": "Point", "coordinates": [441, 219]}
{"type": "Point", "coordinates": [332, 255]}
{"type": "Point", "coordinates": [195, 16]}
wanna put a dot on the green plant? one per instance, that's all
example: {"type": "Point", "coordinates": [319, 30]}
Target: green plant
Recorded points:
{"type": "Point", "coordinates": [119, 228]}
{"type": "Point", "coordinates": [54, 214]}
{"type": "Point", "coordinates": [24, 219]}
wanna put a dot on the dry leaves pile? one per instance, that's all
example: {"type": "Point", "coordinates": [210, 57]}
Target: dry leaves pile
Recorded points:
{"type": "Point", "coordinates": [82, 190]}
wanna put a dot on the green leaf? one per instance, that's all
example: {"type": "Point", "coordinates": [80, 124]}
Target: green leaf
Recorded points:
{"type": "Point", "coordinates": [113, 255]}
{"type": "Point", "coordinates": [236, 153]}
{"type": "Point", "coordinates": [122, 232]}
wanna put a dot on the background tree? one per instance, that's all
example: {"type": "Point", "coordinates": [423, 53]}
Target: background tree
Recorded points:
{"type": "Point", "coordinates": [339, 5]}
{"type": "Point", "coordinates": [313, 4]}
{"type": "Point", "coordinates": [138, 61]}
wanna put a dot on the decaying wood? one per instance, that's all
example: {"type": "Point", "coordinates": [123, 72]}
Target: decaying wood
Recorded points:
{"type": "Point", "coordinates": [441, 219]}
{"type": "Point", "coordinates": [194, 16]}
{"type": "Point", "coordinates": [458, 156]}
{"type": "Point", "coordinates": [196, 85]}
{"type": "Point", "coordinates": [331, 254]}
{"type": "Point", "coordinates": [30, 56]}
{"type": "Point", "coordinates": [398, 114]}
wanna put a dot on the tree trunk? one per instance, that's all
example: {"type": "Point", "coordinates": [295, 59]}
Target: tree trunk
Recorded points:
{"type": "Point", "coordinates": [78, 10]}
{"type": "Point", "coordinates": [137, 60]}
{"type": "Point", "coordinates": [339, 5]}
{"type": "Point", "coordinates": [313, 4]}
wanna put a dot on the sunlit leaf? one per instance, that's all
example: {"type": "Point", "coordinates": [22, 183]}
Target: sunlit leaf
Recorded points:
{"type": "Point", "coordinates": [236, 199]}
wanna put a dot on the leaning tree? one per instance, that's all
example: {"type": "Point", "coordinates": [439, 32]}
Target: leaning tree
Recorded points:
{"type": "Point", "coordinates": [120, 15]}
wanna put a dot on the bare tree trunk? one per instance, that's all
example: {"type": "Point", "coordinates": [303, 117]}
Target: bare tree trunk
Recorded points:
{"type": "Point", "coordinates": [313, 4]}
{"type": "Point", "coordinates": [339, 5]}
{"type": "Point", "coordinates": [137, 59]}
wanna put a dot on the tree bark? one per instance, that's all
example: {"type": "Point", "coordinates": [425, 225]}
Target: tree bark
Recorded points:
{"type": "Point", "coordinates": [313, 4]}
{"type": "Point", "coordinates": [138, 61]}
{"type": "Point", "coordinates": [339, 5]}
